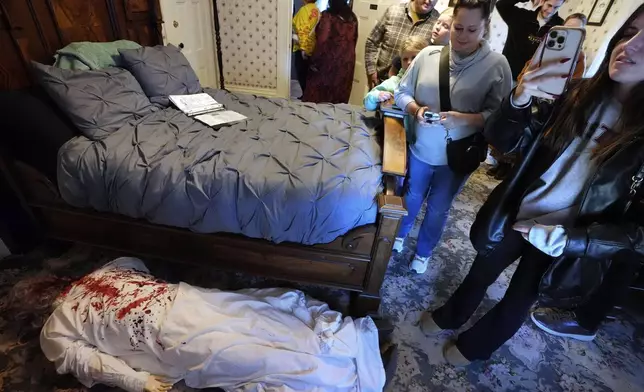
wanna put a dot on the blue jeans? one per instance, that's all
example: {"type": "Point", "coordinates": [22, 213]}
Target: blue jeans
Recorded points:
{"type": "Point", "coordinates": [440, 185]}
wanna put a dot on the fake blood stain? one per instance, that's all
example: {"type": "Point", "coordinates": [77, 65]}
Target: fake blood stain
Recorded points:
{"type": "Point", "coordinates": [132, 297]}
{"type": "Point", "coordinates": [113, 291]}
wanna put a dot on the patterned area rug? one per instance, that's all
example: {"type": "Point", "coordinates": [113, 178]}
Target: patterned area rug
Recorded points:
{"type": "Point", "coordinates": [530, 361]}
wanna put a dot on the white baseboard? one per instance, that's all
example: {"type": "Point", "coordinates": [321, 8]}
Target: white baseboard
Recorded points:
{"type": "Point", "coordinates": [264, 92]}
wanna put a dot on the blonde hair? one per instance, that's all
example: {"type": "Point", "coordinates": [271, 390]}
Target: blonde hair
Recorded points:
{"type": "Point", "coordinates": [448, 12]}
{"type": "Point", "coordinates": [414, 44]}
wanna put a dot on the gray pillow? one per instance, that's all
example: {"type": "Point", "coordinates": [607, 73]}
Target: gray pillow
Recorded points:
{"type": "Point", "coordinates": [98, 102]}
{"type": "Point", "coordinates": [162, 71]}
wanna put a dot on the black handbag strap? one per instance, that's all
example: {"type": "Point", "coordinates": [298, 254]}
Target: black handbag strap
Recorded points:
{"type": "Point", "coordinates": [443, 80]}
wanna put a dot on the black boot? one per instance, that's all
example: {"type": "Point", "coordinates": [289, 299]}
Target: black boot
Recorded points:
{"type": "Point", "coordinates": [502, 171]}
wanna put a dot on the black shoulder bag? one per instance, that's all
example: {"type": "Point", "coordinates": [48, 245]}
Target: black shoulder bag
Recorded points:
{"type": "Point", "coordinates": [570, 281]}
{"type": "Point", "coordinates": [463, 155]}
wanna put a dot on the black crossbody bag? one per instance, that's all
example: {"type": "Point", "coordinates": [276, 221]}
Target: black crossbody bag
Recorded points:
{"type": "Point", "coordinates": [463, 155]}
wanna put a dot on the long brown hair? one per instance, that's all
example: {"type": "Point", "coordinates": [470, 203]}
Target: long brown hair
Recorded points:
{"type": "Point", "coordinates": [585, 96]}
{"type": "Point", "coordinates": [31, 300]}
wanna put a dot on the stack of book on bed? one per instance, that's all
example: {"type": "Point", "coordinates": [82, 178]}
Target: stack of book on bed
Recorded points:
{"type": "Point", "coordinates": [205, 109]}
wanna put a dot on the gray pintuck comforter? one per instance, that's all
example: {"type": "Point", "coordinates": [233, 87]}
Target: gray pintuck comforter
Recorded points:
{"type": "Point", "coordinates": [293, 172]}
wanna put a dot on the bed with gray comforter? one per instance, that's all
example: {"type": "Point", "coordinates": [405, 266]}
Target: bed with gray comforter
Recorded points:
{"type": "Point", "coordinates": [292, 172]}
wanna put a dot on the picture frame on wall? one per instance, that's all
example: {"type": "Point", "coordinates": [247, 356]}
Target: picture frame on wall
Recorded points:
{"type": "Point", "coordinates": [599, 12]}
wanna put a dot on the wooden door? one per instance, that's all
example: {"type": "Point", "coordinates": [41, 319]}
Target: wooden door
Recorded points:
{"type": "Point", "coordinates": [188, 24]}
{"type": "Point", "coordinates": [368, 13]}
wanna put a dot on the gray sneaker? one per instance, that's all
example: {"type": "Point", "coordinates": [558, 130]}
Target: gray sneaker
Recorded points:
{"type": "Point", "coordinates": [561, 323]}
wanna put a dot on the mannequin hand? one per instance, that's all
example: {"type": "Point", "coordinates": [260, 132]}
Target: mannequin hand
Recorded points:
{"type": "Point", "coordinates": [157, 384]}
{"type": "Point", "coordinates": [304, 55]}
{"type": "Point", "coordinates": [551, 240]}
{"type": "Point", "coordinates": [385, 96]}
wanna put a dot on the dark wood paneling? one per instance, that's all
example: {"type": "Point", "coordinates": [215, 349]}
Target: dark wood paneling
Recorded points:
{"type": "Point", "coordinates": [35, 29]}
{"type": "Point", "coordinates": [12, 66]}
{"type": "Point", "coordinates": [83, 20]}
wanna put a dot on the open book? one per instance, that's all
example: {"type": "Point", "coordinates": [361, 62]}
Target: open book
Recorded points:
{"type": "Point", "coordinates": [221, 117]}
{"type": "Point", "coordinates": [195, 104]}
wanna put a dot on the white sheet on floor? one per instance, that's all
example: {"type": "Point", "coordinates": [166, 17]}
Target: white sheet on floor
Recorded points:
{"type": "Point", "coordinates": [269, 340]}
{"type": "Point", "coordinates": [251, 340]}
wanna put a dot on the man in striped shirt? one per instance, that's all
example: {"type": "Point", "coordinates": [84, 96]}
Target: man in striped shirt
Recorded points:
{"type": "Point", "coordinates": [400, 21]}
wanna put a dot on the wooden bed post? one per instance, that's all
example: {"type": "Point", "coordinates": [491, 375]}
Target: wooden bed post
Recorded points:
{"type": "Point", "coordinates": [391, 210]}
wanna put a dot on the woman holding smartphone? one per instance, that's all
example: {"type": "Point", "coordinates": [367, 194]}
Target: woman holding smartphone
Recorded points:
{"type": "Point", "coordinates": [573, 196]}
{"type": "Point", "coordinates": [479, 79]}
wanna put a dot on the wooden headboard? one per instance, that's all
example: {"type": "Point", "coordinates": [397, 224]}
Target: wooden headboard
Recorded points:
{"type": "Point", "coordinates": [35, 29]}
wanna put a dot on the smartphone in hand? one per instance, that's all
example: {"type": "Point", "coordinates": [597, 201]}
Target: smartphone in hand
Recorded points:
{"type": "Point", "coordinates": [431, 117]}
{"type": "Point", "coordinates": [561, 43]}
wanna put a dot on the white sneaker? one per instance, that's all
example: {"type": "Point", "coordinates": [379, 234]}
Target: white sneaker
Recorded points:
{"type": "Point", "coordinates": [399, 244]}
{"type": "Point", "coordinates": [490, 160]}
{"type": "Point", "coordinates": [419, 264]}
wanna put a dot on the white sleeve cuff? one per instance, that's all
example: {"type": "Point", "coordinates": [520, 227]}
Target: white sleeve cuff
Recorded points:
{"type": "Point", "coordinates": [551, 240]}
{"type": "Point", "coordinates": [128, 382]}
{"type": "Point", "coordinates": [527, 105]}
{"type": "Point", "coordinates": [139, 381]}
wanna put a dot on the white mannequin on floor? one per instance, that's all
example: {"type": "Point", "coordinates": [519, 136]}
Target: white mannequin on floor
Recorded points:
{"type": "Point", "coordinates": [122, 327]}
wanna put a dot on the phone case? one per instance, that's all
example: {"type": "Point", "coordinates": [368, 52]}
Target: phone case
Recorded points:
{"type": "Point", "coordinates": [561, 42]}
{"type": "Point", "coordinates": [431, 116]}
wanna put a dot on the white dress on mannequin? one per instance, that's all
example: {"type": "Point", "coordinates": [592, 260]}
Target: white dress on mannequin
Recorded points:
{"type": "Point", "coordinates": [119, 324]}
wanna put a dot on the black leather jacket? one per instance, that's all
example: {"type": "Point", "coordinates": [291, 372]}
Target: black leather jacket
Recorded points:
{"type": "Point", "coordinates": [602, 230]}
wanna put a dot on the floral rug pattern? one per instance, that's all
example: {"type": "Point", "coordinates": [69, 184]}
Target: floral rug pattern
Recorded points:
{"type": "Point", "coordinates": [530, 361]}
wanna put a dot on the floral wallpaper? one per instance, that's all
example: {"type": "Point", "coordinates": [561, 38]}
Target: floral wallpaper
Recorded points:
{"type": "Point", "coordinates": [249, 43]}
{"type": "Point", "coordinates": [597, 37]}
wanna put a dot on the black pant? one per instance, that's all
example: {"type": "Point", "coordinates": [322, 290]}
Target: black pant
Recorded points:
{"type": "Point", "coordinates": [302, 69]}
{"type": "Point", "coordinates": [502, 322]}
{"type": "Point", "coordinates": [505, 319]}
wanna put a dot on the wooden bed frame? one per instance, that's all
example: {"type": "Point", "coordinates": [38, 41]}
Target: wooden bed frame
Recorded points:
{"type": "Point", "coordinates": [357, 261]}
